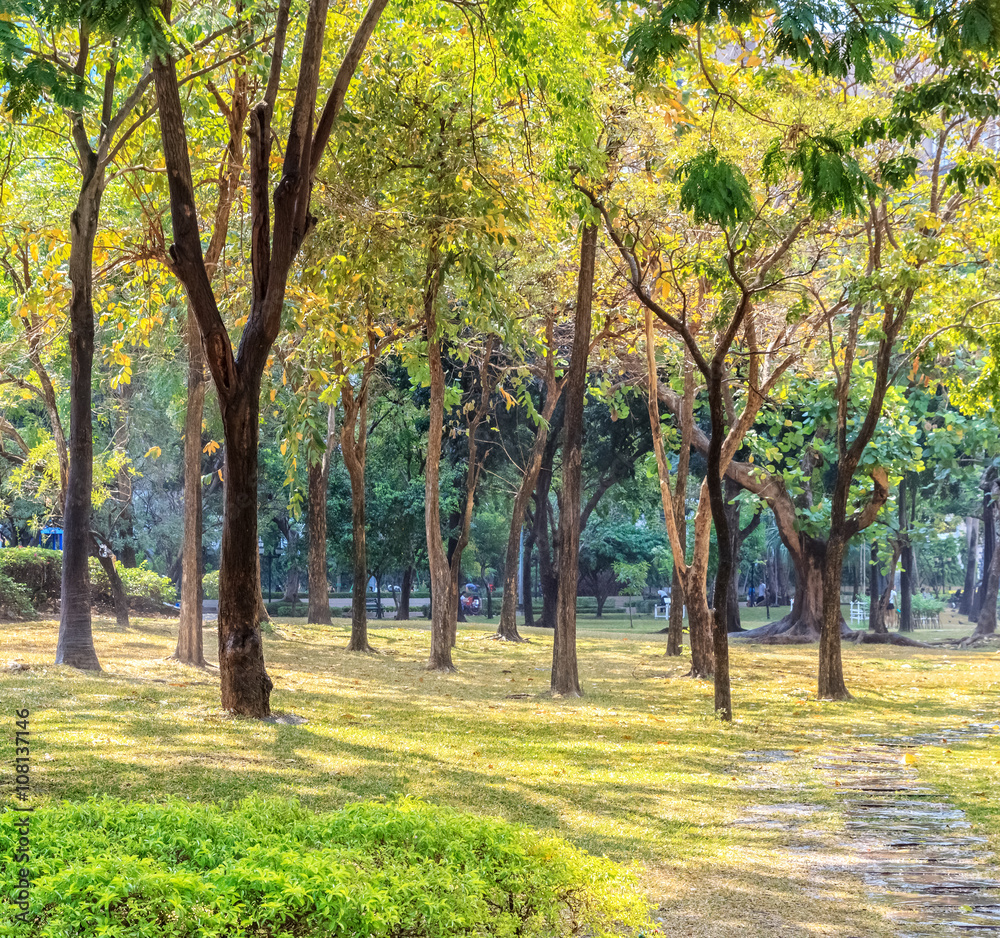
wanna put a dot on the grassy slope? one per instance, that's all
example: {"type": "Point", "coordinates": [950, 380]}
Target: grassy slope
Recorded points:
{"type": "Point", "coordinates": [638, 769]}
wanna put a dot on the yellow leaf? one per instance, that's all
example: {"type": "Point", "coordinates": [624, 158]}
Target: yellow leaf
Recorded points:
{"type": "Point", "coordinates": [220, 476]}
{"type": "Point", "coordinates": [210, 447]}
{"type": "Point", "coordinates": [909, 759]}
{"type": "Point", "coordinates": [274, 394]}
{"type": "Point", "coordinates": [153, 451]}
{"type": "Point", "coordinates": [284, 378]}
{"type": "Point", "coordinates": [284, 447]}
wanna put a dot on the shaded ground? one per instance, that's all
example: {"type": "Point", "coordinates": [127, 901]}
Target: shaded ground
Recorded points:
{"type": "Point", "coordinates": [638, 769]}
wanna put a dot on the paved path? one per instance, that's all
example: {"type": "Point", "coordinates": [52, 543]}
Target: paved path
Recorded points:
{"type": "Point", "coordinates": [914, 852]}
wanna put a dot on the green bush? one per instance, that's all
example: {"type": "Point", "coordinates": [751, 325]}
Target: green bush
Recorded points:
{"type": "Point", "coordinates": [15, 600]}
{"type": "Point", "coordinates": [146, 590]}
{"type": "Point", "coordinates": [210, 584]}
{"type": "Point", "coordinates": [37, 569]}
{"type": "Point", "coordinates": [926, 607]}
{"type": "Point", "coordinates": [586, 604]}
{"type": "Point", "coordinates": [269, 867]}
{"type": "Point", "coordinates": [286, 609]}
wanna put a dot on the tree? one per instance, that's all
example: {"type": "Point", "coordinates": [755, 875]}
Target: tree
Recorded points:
{"type": "Point", "coordinates": [565, 680]}
{"type": "Point", "coordinates": [190, 648]}
{"type": "Point", "coordinates": [246, 686]}
{"type": "Point", "coordinates": [319, 481]}
{"type": "Point", "coordinates": [552, 389]}
{"type": "Point", "coordinates": [632, 578]}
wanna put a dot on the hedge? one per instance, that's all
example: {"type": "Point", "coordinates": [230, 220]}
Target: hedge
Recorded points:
{"type": "Point", "coordinates": [270, 867]}
{"type": "Point", "coordinates": [37, 569]}
{"type": "Point", "coordinates": [146, 590]}
{"type": "Point", "coordinates": [35, 581]}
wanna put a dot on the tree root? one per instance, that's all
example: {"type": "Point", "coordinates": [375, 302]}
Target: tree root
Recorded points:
{"type": "Point", "coordinates": [975, 640]}
{"type": "Point", "coordinates": [886, 638]}
{"type": "Point", "coordinates": [788, 631]}
{"type": "Point", "coordinates": [366, 650]}
{"type": "Point", "coordinates": [514, 640]}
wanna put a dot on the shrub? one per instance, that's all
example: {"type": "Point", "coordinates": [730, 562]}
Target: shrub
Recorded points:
{"type": "Point", "coordinates": [210, 584]}
{"type": "Point", "coordinates": [37, 569]}
{"type": "Point", "coordinates": [269, 867]}
{"type": "Point", "coordinates": [15, 600]}
{"type": "Point", "coordinates": [926, 607]}
{"type": "Point", "coordinates": [146, 590]}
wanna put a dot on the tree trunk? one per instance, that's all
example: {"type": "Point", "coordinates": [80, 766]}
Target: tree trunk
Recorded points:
{"type": "Point", "coordinates": [906, 498]}
{"type": "Point", "coordinates": [699, 613]}
{"type": "Point", "coordinates": [291, 591]}
{"type": "Point", "coordinates": [76, 642]}
{"type": "Point", "coordinates": [319, 584]}
{"type": "Point", "coordinates": [190, 646]}
{"type": "Point", "coordinates": [831, 684]}
{"type": "Point", "coordinates": [507, 629]}
{"type": "Point", "coordinates": [737, 536]}
{"type": "Point", "coordinates": [403, 610]}
{"type": "Point", "coordinates": [119, 597]}
{"type": "Point", "coordinates": [246, 687]}
{"type": "Point", "coordinates": [528, 600]}
{"type": "Point", "coordinates": [359, 549]}
{"type": "Point", "coordinates": [876, 609]}
{"type": "Point", "coordinates": [675, 628]}
{"type": "Point", "coordinates": [700, 634]}
{"type": "Point", "coordinates": [989, 545]}
{"type": "Point", "coordinates": [805, 619]}
{"type": "Point", "coordinates": [971, 560]}
{"type": "Point", "coordinates": [440, 572]}
{"type": "Point", "coordinates": [987, 622]}
{"type": "Point", "coordinates": [565, 678]}
{"type": "Point", "coordinates": [262, 614]}
{"type": "Point", "coordinates": [548, 577]}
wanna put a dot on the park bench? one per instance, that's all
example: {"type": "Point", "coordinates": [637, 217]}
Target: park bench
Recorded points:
{"type": "Point", "coordinates": [859, 611]}
{"type": "Point", "coordinates": [662, 611]}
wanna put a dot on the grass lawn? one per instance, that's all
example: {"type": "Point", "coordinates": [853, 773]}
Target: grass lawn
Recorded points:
{"type": "Point", "coordinates": [638, 769]}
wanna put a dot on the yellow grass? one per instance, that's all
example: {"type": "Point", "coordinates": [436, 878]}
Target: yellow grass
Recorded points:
{"type": "Point", "coordinates": [638, 769]}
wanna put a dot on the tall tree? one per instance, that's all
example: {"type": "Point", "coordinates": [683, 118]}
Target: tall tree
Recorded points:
{"type": "Point", "coordinates": [319, 481]}
{"type": "Point", "coordinates": [246, 687]}
{"type": "Point", "coordinates": [565, 679]}
{"type": "Point", "coordinates": [190, 644]}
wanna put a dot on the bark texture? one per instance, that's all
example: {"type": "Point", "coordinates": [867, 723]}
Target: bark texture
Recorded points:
{"type": "Point", "coordinates": [442, 602]}
{"type": "Point", "coordinates": [971, 560]}
{"type": "Point", "coordinates": [354, 448]}
{"type": "Point", "coordinates": [319, 478]}
{"type": "Point", "coordinates": [565, 678]}
{"type": "Point", "coordinates": [246, 686]}
{"type": "Point", "coordinates": [987, 623]}
{"type": "Point", "coordinates": [190, 644]}
{"type": "Point", "coordinates": [507, 627]}
{"type": "Point", "coordinates": [75, 645]}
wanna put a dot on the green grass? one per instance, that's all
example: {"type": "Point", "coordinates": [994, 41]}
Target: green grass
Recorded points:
{"type": "Point", "coordinates": [638, 769]}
